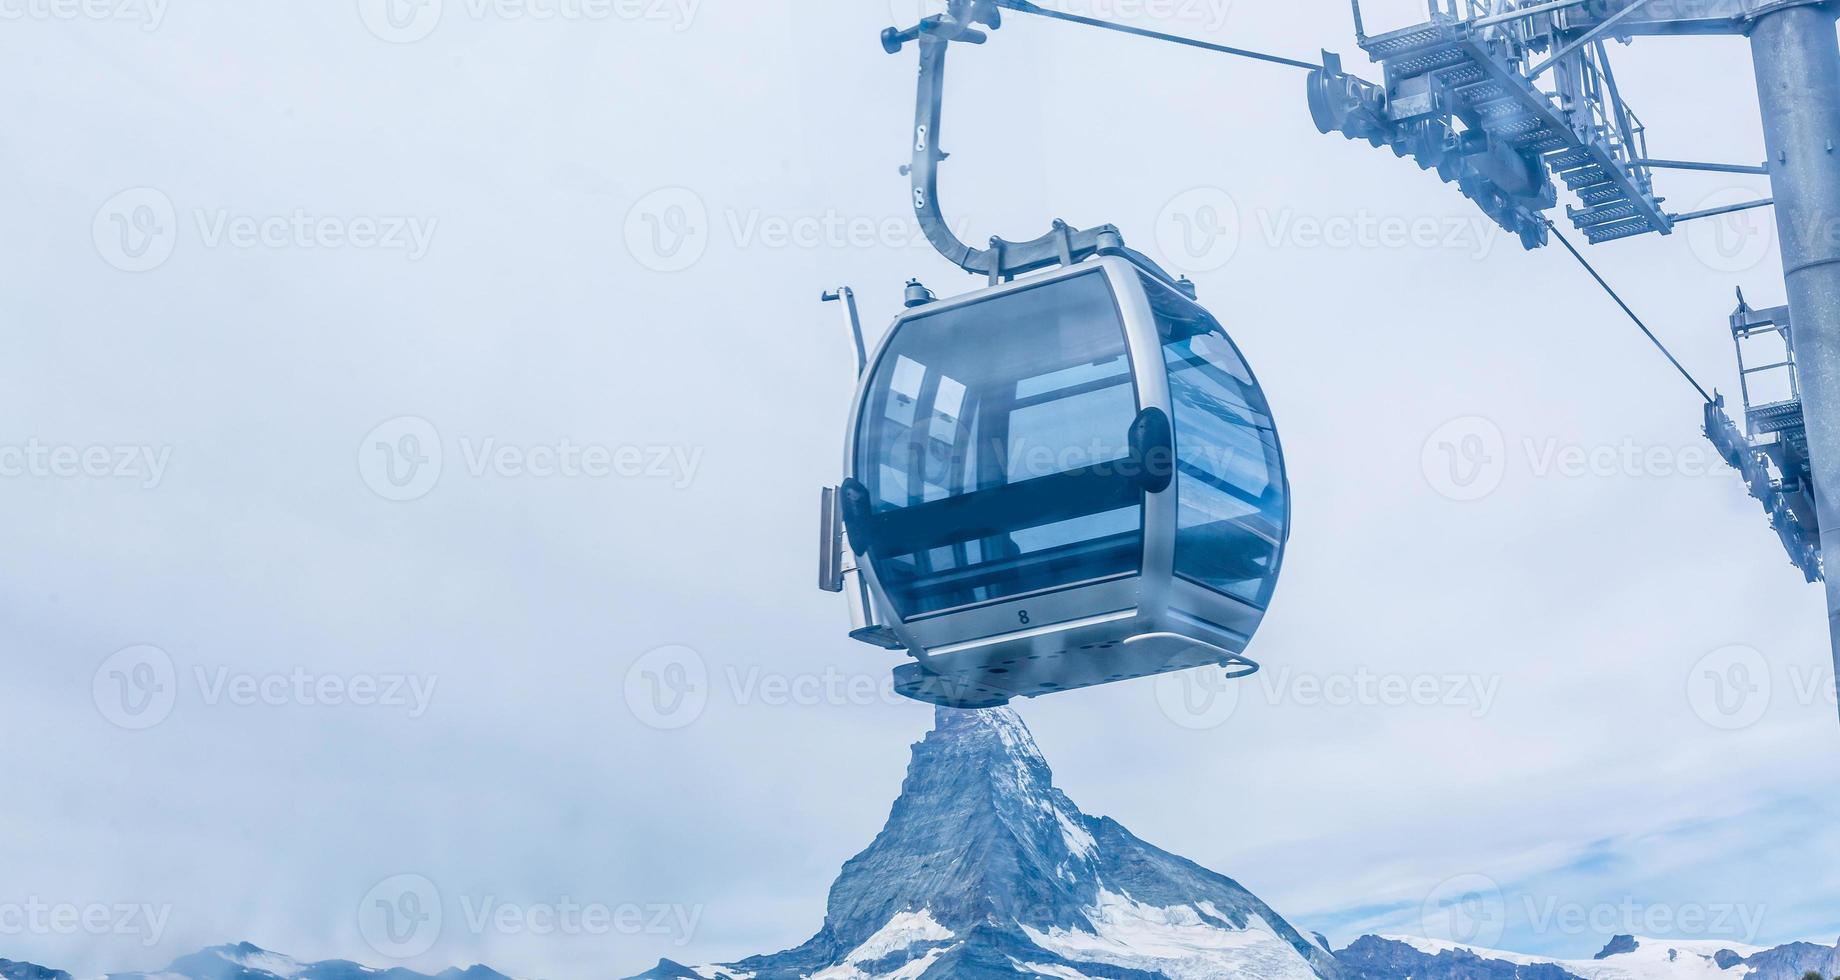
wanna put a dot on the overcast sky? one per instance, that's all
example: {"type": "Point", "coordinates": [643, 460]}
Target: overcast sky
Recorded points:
{"type": "Point", "coordinates": [413, 427]}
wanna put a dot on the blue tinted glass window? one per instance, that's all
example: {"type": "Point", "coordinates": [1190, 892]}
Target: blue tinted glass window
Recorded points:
{"type": "Point", "coordinates": [1232, 510]}
{"type": "Point", "coordinates": [989, 443]}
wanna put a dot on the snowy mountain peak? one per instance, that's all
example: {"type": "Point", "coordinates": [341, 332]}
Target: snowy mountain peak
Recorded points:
{"type": "Point", "coordinates": [1616, 946]}
{"type": "Point", "coordinates": [985, 869]}
{"type": "Point", "coordinates": [1623, 958]}
{"type": "Point", "coordinates": [247, 961]}
{"type": "Point", "coordinates": [12, 970]}
{"type": "Point", "coordinates": [1002, 724]}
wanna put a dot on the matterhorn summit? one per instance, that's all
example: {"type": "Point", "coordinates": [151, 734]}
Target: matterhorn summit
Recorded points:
{"type": "Point", "coordinates": [984, 869]}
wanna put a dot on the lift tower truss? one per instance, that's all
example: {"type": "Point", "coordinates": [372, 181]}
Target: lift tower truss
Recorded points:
{"type": "Point", "coordinates": [1505, 99]}
{"type": "Point", "coordinates": [1771, 450]}
{"type": "Point", "coordinates": [1509, 97]}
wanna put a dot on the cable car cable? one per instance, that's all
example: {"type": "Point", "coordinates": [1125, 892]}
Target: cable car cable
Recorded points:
{"type": "Point", "coordinates": [1026, 7]}
{"type": "Point", "coordinates": [1632, 313]}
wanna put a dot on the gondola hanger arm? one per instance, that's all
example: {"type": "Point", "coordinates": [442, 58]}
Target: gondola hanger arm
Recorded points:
{"type": "Point", "coordinates": [965, 21]}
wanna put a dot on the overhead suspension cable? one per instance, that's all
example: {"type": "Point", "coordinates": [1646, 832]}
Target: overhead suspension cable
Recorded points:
{"type": "Point", "coordinates": [1026, 7]}
{"type": "Point", "coordinates": [1632, 313]}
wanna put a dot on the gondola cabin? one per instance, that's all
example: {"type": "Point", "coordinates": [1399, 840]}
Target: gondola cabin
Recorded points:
{"type": "Point", "coordinates": [1058, 482]}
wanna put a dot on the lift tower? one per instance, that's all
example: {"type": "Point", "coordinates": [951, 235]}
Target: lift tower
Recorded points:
{"type": "Point", "coordinates": [1508, 98]}
{"type": "Point", "coordinates": [1798, 86]}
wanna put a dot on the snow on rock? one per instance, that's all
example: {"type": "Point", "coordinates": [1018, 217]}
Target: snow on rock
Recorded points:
{"type": "Point", "coordinates": [985, 869]}
{"type": "Point", "coordinates": [901, 932]}
{"type": "Point", "coordinates": [1180, 941]}
{"type": "Point", "coordinates": [1624, 958]}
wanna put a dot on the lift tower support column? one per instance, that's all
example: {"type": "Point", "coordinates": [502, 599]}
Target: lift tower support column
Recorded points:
{"type": "Point", "coordinates": [1798, 85]}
